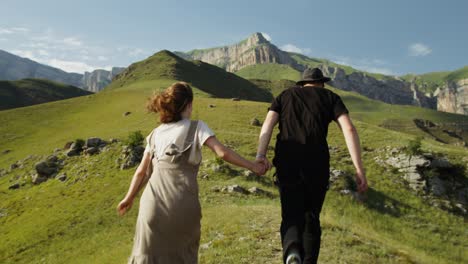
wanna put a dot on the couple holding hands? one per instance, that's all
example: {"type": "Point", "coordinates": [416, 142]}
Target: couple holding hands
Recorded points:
{"type": "Point", "coordinates": [168, 223]}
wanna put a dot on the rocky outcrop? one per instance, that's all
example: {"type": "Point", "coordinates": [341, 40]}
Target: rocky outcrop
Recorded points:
{"type": "Point", "coordinates": [96, 80]}
{"type": "Point", "coordinates": [390, 90]}
{"type": "Point", "coordinates": [14, 68]}
{"type": "Point", "coordinates": [254, 50]}
{"type": "Point", "coordinates": [434, 177]}
{"type": "Point", "coordinates": [453, 97]}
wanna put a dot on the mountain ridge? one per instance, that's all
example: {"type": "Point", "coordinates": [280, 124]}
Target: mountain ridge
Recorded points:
{"type": "Point", "coordinates": [445, 93]}
{"type": "Point", "coordinates": [13, 67]}
{"type": "Point", "coordinates": [206, 77]}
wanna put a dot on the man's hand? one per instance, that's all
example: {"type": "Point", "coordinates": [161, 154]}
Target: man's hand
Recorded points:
{"type": "Point", "coordinates": [361, 182]}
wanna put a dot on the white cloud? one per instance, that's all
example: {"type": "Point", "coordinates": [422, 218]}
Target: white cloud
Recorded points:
{"type": "Point", "coordinates": [74, 66]}
{"type": "Point", "coordinates": [293, 48]}
{"type": "Point", "coordinates": [43, 52]}
{"type": "Point", "coordinates": [419, 49]}
{"type": "Point", "coordinates": [266, 36]}
{"type": "Point", "coordinates": [72, 41]}
{"type": "Point", "coordinates": [102, 58]}
{"type": "Point", "coordinates": [25, 54]}
{"type": "Point", "coordinates": [136, 52]}
{"type": "Point", "coordinates": [13, 30]}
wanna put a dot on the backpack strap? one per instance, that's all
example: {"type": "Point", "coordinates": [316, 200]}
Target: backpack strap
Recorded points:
{"type": "Point", "coordinates": [189, 139]}
{"type": "Point", "coordinates": [191, 133]}
{"type": "Point", "coordinates": [150, 143]}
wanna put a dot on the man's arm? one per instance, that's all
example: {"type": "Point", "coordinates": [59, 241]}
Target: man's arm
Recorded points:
{"type": "Point", "coordinates": [354, 147]}
{"type": "Point", "coordinates": [271, 120]}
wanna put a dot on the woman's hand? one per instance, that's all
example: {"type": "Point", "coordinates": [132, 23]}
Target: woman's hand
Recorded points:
{"type": "Point", "coordinates": [124, 206]}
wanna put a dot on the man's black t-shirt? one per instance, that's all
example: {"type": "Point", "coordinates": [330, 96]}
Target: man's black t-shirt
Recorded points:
{"type": "Point", "coordinates": [304, 116]}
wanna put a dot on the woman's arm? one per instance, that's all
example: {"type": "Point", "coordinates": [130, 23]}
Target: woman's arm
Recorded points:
{"type": "Point", "coordinates": [271, 120]}
{"type": "Point", "coordinates": [232, 157]}
{"type": "Point", "coordinates": [135, 184]}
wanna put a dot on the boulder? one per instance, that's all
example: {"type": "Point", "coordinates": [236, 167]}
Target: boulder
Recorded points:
{"type": "Point", "coordinates": [14, 186]}
{"type": "Point", "coordinates": [61, 177]}
{"type": "Point", "coordinates": [130, 156]}
{"type": "Point", "coordinates": [6, 151]}
{"type": "Point", "coordinates": [255, 122]}
{"type": "Point", "coordinates": [441, 163]}
{"type": "Point", "coordinates": [37, 179]}
{"type": "Point", "coordinates": [212, 106]}
{"type": "Point", "coordinates": [75, 149]}
{"type": "Point", "coordinates": [91, 150]}
{"type": "Point", "coordinates": [93, 142]}
{"type": "Point", "coordinates": [46, 168]}
{"type": "Point", "coordinates": [248, 173]}
{"type": "Point", "coordinates": [126, 113]}
{"type": "Point", "coordinates": [234, 189]}
{"type": "Point", "coordinates": [437, 186]}
{"type": "Point", "coordinates": [14, 166]}
{"type": "Point", "coordinates": [258, 191]}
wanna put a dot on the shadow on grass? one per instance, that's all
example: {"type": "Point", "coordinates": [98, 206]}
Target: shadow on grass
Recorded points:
{"type": "Point", "coordinates": [384, 204]}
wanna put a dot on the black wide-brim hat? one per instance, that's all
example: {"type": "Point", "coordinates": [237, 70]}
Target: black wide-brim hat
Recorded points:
{"type": "Point", "coordinates": [313, 75]}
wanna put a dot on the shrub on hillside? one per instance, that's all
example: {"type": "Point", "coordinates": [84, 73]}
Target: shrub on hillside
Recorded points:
{"type": "Point", "coordinates": [414, 146]}
{"type": "Point", "coordinates": [134, 139]}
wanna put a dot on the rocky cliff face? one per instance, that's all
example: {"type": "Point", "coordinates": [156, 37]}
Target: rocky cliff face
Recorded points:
{"type": "Point", "coordinates": [257, 50]}
{"type": "Point", "coordinates": [453, 97]}
{"type": "Point", "coordinates": [254, 50]}
{"type": "Point", "coordinates": [96, 80]}
{"type": "Point", "coordinates": [13, 68]}
{"type": "Point", "coordinates": [390, 90]}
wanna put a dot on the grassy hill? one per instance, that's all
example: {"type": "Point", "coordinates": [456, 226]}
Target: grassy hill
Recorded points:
{"type": "Point", "coordinates": [210, 79]}
{"type": "Point", "coordinates": [269, 71]}
{"type": "Point", "coordinates": [35, 91]}
{"type": "Point", "coordinates": [75, 221]}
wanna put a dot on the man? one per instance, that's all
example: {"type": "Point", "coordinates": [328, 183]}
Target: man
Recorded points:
{"type": "Point", "coordinates": [302, 159]}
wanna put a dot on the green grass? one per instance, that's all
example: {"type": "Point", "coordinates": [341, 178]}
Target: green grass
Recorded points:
{"type": "Point", "coordinates": [35, 91]}
{"type": "Point", "coordinates": [76, 222]}
{"type": "Point", "coordinates": [269, 71]}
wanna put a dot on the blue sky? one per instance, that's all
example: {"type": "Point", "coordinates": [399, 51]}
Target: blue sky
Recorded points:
{"type": "Point", "coordinates": [393, 37]}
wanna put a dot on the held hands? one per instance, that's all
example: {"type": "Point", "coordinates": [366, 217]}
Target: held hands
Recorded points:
{"type": "Point", "coordinates": [124, 206]}
{"type": "Point", "coordinates": [261, 166]}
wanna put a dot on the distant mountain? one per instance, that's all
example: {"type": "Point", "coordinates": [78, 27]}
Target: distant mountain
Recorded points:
{"type": "Point", "coordinates": [13, 67]}
{"type": "Point", "coordinates": [206, 77]}
{"type": "Point", "coordinates": [96, 80]}
{"type": "Point", "coordinates": [257, 58]}
{"type": "Point", "coordinates": [35, 91]}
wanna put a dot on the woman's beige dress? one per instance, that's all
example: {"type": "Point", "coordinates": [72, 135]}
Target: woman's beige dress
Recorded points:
{"type": "Point", "coordinates": [168, 223]}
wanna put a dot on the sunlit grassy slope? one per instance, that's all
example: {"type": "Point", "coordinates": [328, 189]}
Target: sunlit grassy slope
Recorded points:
{"type": "Point", "coordinates": [75, 221]}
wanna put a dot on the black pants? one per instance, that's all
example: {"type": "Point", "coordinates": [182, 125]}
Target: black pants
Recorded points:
{"type": "Point", "coordinates": [302, 192]}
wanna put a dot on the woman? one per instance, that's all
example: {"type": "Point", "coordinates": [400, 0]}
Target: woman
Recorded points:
{"type": "Point", "coordinates": [168, 224]}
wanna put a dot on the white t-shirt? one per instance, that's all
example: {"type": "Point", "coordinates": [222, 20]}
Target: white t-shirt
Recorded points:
{"type": "Point", "coordinates": [175, 133]}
